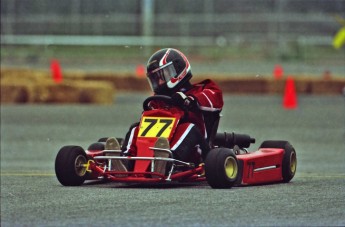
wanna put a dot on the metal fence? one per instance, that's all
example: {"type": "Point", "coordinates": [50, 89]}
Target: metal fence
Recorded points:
{"type": "Point", "coordinates": [178, 22]}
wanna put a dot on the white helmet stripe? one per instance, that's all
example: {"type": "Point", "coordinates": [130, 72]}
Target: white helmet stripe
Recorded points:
{"type": "Point", "coordinates": [163, 61]}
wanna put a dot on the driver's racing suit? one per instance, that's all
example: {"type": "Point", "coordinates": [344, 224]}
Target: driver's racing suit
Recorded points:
{"type": "Point", "coordinates": [190, 135]}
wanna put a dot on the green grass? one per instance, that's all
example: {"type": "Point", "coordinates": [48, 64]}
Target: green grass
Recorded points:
{"type": "Point", "coordinates": [208, 53]}
{"type": "Point", "coordinates": [244, 58]}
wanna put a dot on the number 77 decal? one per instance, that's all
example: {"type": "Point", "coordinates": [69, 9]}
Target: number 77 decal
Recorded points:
{"type": "Point", "coordinates": [156, 126]}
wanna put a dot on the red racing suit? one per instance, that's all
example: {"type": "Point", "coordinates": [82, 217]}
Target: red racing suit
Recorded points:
{"type": "Point", "coordinates": [209, 98]}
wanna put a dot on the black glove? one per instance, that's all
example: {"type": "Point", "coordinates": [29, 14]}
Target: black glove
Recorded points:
{"type": "Point", "coordinates": [182, 100]}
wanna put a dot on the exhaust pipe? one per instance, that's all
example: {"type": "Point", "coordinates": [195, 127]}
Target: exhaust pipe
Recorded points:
{"type": "Point", "coordinates": [229, 140]}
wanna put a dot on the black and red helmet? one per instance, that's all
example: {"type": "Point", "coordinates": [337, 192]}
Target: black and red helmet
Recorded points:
{"type": "Point", "coordinates": [167, 71]}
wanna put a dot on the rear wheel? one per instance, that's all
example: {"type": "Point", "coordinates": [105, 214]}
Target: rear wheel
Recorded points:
{"type": "Point", "coordinates": [289, 164]}
{"type": "Point", "coordinates": [221, 168]}
{"type": "Point", "coordinates": [70, 167]}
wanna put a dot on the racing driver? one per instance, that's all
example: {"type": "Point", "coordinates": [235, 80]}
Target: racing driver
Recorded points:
{"type": "Point", "coordinates": [169, 74]}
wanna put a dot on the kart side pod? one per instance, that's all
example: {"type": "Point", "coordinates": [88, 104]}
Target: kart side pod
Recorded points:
{"type": "Point", "coordinates": [229, 140]}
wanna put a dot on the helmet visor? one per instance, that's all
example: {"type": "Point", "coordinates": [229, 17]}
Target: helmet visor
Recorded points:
{"type": "Point", "coordinates": [161, 75]}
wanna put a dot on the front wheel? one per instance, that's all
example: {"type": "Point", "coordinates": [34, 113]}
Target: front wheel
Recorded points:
{"type": "Point", "coordinates": [289, 164]}
{"type": "Point", "coordinates": [70, 167]}
{"type": "Point", "coordinates": [221, 168]}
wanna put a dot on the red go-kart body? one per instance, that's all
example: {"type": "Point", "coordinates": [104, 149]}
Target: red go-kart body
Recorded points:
{"type": "Point", "coordinates": [228, 164]}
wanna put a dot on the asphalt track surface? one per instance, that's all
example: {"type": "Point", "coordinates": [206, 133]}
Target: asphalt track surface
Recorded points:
{"type": "Point", "coordinates": [31, 136]}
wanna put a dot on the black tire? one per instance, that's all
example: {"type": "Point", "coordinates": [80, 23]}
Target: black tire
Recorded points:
{"type": "Point", "coordinates": [104, 139]}
{"type": "Point", "coordinates": [221, 168]}
{"type": "Point", "coordinates": [98, 146]}
{"type": "Point", "coordinates": [289, 164]}
{"type": "Point", "coordinates": [68, 166]}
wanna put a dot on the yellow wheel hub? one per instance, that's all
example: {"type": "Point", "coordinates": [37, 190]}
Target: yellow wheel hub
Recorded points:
{"type": "Point", "coordinates": [231, 168]}
{"type": "Point", "coordinates": [293, 162]}
{"type": "Point", "coordinates": [80, 168]}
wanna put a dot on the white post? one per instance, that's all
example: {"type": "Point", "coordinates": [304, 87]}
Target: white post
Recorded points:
{"type": "Point", "coordinates": [147, 25]}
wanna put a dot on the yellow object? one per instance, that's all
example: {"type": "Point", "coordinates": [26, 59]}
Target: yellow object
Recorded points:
{"type": "Point", "coordinates": [156, 126]}
{"type": "Point", "coordinates": [231, 168]}
{"type": "Point", "coordinates": [339, 39]}
{"type": "Point", "coordinates": [87, 166]}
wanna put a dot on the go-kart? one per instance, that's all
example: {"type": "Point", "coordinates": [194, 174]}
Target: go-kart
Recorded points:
{"type": "Point", "coordinates": [229, 163]}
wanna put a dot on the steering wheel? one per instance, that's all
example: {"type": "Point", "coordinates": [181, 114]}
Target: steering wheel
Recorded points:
{"type": "Point", "coordinates": [167, 100]}
{"type": "Point", "coordinates": [164, 98]}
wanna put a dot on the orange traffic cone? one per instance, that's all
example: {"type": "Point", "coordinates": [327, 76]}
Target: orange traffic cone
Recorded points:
{"type": "Point", "coordinates": [278, 72]}
{"type": "Point", "coordinates": [290, 97]}
{"type": "Point", "coordinates": [56, 71]}
{"type": "Point", "coordinates": [140, 70]}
